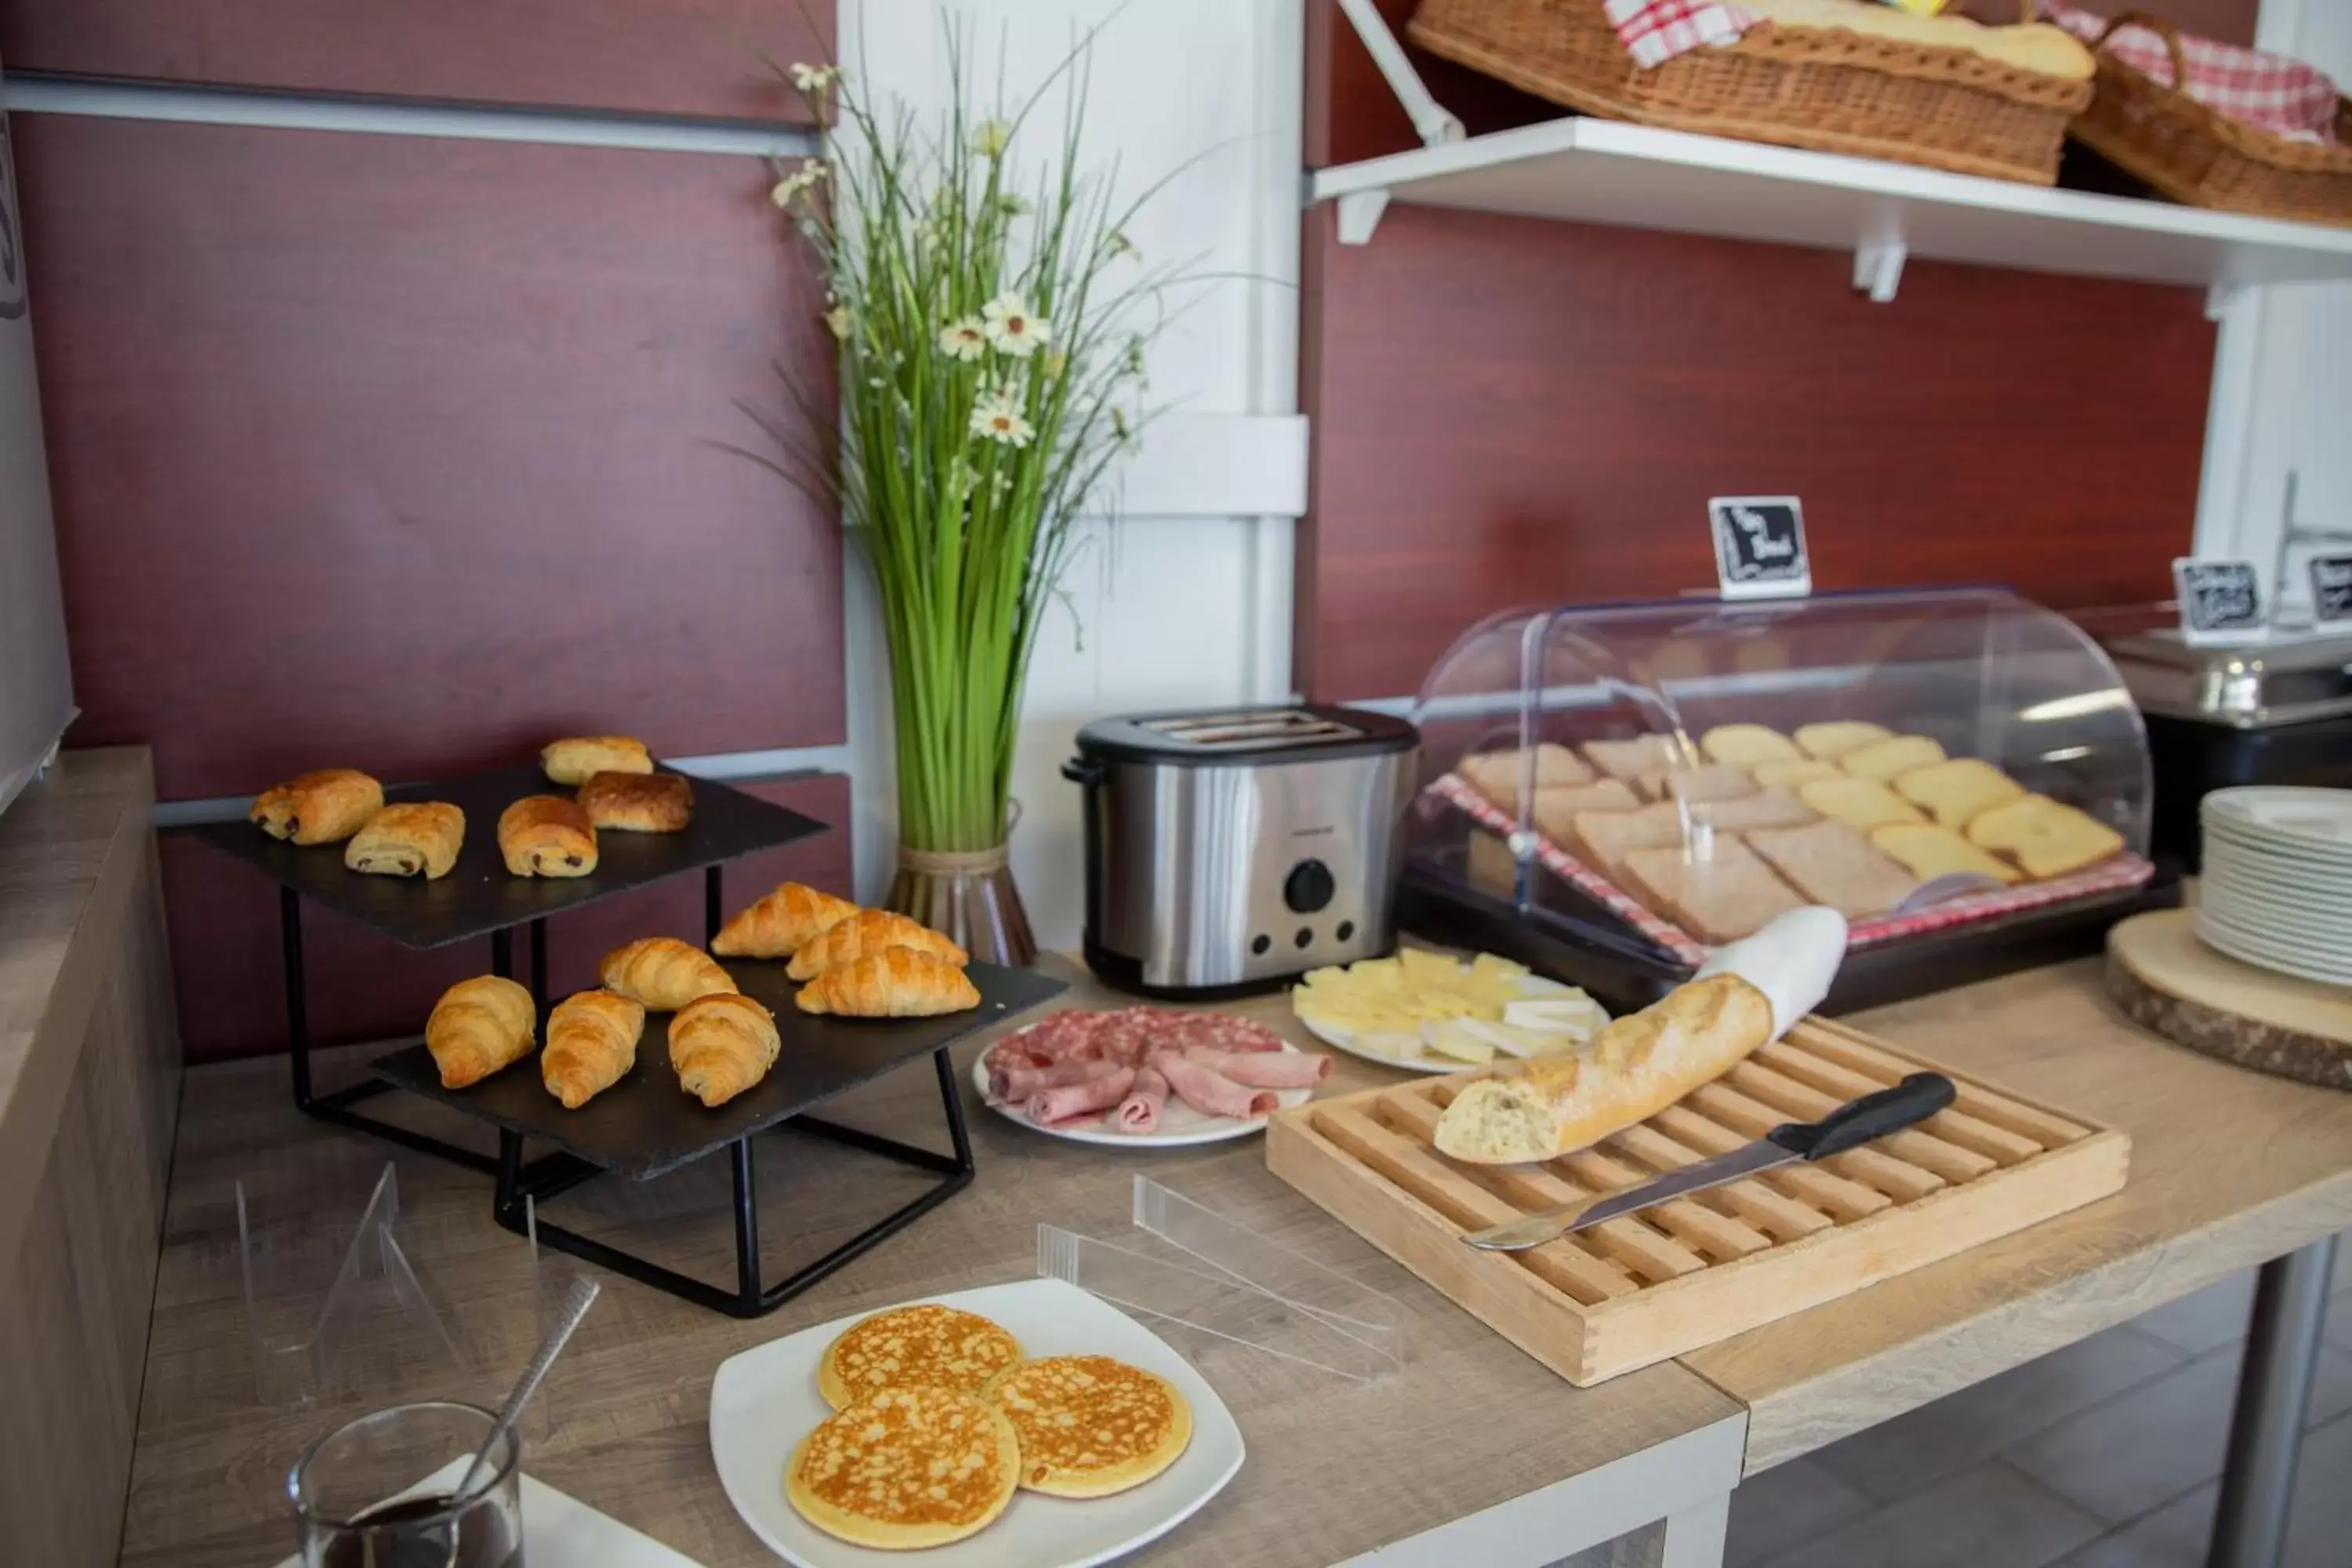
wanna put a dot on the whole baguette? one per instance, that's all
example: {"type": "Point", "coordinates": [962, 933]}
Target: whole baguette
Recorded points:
{"type": "Point", "coordinates": [1637, 1066]}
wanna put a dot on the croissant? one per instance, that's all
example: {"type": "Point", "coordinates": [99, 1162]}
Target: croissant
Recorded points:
{"type": "Point", "coordinates": [478, 1026]}
{"type": "Point", "coordinates": [405, 839]}
{"type": "Point", "coordinates": [547, 836]}
{"type": "Point", "coordinates": [721, 1045]}
{"type": "Point", "coordinates": [661, 973]}
{"type": "Point", "coordinates": [579, 758]}
{"type": "Point", "coordinates": [895, 982]}
{"type": "Point", "coordinates": [781, 923]}
{"type": "Point", "coordinates": [867, 931]}
{"type": "Point", "coordinates": [324, 807]}
{"type": "Point", "coordinates": [592, 1043]}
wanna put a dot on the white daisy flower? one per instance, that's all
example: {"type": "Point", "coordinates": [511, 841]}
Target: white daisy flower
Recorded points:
{"type": "Point", "coordinates": [1012, 327]}
{"type": "Point", "coordinates": [995, 417]}
{"type": "Point", "coordinates": [790, 188]}
{"type": "Point", "coordinates": [991, 137]}
{"type": "Point", "coordinates": [963, 339]}
{"type": "Point", "coordinates": [814, 78]}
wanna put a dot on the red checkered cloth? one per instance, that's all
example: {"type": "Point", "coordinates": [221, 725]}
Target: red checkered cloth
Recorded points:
{"type": "Point", "coordinates": [2108, 877]}
{"type": "Point", "coordinates": [1655, 31]}
{"type": "Point", "coordinates": [2269, 92]}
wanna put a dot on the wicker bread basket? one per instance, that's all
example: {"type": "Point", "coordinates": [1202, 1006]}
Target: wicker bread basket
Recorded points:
{"type": "Point", "coordinates": [2197, 156]}
{"type": "Point", "coordinates": [1821, 87]}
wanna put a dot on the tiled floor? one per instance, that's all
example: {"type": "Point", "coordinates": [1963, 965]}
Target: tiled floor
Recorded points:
{"type": "Point", "coordinates": [2103, 1455]}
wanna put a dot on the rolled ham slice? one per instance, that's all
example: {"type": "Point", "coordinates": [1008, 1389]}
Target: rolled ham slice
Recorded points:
{"type": "Point", "coordinates": [1066, 1102]}
{"type": "Point", "coordinates": [1210, 1092]}
{"type": "Point", "coordinates": [1010, 1083]}
{"type": "Point", "coordinates": [1264, 1069]}
{"type": "Point", "coordinates": [1139, 1111]}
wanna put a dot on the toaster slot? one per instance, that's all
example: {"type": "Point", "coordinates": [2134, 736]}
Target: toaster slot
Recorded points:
{"type": "Point", "coordinates": [1275, 727]}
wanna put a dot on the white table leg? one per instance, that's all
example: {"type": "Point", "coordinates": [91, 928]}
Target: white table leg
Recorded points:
{"type": "Point", "coordinates": [2273, 1392]}
{"type": "Point", "coordinates": [1693, 1538]}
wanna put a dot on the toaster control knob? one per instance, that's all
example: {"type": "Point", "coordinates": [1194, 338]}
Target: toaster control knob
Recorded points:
{"type": "Point", "coordinates": [1308, 887]}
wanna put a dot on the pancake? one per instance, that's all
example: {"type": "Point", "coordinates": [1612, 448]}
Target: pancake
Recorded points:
{"type": "Point", "coordinates": [914, 1347]}
{"type": "Point", "coordinates": [907, 1468]}
{"type": "Point", "coordinates": [1090, 1426]}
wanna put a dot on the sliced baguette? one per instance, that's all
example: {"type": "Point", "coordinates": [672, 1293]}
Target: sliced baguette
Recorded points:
{"type": "Point", "coordinates": [1638, 1066]}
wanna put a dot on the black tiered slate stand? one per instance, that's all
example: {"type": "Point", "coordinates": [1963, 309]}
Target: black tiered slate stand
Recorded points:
{"type": "Point", "coordinates": [642, 1126]}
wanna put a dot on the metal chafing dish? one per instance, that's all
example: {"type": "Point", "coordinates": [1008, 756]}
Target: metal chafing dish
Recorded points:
{"type": "Point", "coordinates": [2277, 712]}
{"type": "Point", "coordinates": [2251, 686]}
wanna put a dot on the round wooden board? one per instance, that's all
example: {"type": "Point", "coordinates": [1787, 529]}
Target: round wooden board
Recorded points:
{"type": "Point", "coordinates": [2165, 978]}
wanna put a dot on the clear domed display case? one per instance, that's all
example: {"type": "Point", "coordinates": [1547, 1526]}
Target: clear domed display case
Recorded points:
{"type": "Point", "coordinates": [1607, 791]}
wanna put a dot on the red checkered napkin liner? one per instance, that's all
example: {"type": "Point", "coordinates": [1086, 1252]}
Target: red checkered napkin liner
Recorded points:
{"type": "Point", "coordinates": [2109, 876]}
{"type": "Point", "coordinates": [2270, 92]}
{"type": "Point", "coordinates": [1655, 31]}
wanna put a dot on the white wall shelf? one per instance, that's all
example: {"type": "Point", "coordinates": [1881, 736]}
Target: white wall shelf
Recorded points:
{"type": "Point", "coordinates": [1633, 177]}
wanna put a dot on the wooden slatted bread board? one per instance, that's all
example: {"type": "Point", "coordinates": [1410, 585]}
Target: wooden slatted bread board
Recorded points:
{"type": "Point", "coordinates": [1647, 1287]}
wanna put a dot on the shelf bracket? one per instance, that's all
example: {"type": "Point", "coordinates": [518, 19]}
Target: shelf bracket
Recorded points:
{"type": "Point", "coordinates": [2219, 296]}
{"type": "Point", "coordinates": [1434, 123]}
{"type": "Point", "coordinates": [1878, 267]}
{"type": "Point", "coordinates": [1360, 214]}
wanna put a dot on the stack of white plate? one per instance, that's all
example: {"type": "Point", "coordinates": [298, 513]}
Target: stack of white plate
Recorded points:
{"type": "Point", "coordinates": [2277, 887]}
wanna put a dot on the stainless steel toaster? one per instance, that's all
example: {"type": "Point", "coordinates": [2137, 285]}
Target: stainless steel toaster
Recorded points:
{"type": "Point", "coordinates": [1228, 850]}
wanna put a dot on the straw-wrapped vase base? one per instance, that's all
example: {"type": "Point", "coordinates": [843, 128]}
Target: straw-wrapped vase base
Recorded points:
{"type": "Point", "coordinates": [968, 896]}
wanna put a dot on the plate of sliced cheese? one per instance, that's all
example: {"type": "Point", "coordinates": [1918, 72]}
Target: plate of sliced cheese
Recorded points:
{"type": "Point", "coordinates": [1430, 1011]}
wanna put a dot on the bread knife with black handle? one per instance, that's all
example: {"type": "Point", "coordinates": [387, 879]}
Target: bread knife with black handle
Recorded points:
{"type": "Point", "coordinates": [1854, 1123]}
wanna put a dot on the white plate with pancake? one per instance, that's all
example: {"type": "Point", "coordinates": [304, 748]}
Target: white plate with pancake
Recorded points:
{"type": "Point", "coordinates": [765, 1400]}
{"type": "Point", "coordinates": [1180, 1124]}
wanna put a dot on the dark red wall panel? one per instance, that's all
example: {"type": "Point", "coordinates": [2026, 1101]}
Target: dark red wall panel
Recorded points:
{"type": "Point", "coordinates": [665, 57]}
{"type": "Point", "coordinates": [225, 941]}
{"type": "Point", "coordinates": [407, 454]}
{"type": "Point", "coordinates": [1510, 411]}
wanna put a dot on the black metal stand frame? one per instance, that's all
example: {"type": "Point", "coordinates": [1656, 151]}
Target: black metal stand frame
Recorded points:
{"type": "Point", "coordinates": [749, 1298]}
{"type": "Point", "coordinates": [336, 1107]}
{"type": "Point", "coordinates": [542, 1179]}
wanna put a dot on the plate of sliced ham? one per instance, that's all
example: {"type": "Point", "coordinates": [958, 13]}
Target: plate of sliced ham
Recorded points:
{"type": "Point", "coordinates": [1160, 1077]}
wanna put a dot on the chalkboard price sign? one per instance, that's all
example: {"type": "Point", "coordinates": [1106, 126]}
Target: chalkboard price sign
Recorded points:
{"type": "Point", "coordinates": [1759, 546]}
{"type": "Point", "coordinates": [2221, 601]}
{"type": "Point", "coordinates": [2331, 590]}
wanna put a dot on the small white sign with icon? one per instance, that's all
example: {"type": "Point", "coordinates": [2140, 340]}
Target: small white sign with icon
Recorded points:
{"type": "Point", "coordinates": [2221, 601]}
{"type": "Point", "coordinates": [1760, 547]}
{"type": "Point", "coordinates": [2331, 590]}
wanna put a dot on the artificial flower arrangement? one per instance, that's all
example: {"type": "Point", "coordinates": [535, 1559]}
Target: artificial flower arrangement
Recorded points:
{"type": "Point", "coordinates": [991, 339]}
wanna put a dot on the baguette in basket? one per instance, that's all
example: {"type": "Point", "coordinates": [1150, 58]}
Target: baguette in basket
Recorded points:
{"type": "Point", "coordinates": [1748, 994]}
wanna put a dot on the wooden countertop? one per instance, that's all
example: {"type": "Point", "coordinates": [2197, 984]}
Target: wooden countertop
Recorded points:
{"type": "Point", "coordinates": [70, 847]}
{"type": "Point", "coordinates": [2229, 1168]}
{"type": "Point", "coordinates": [1334, 1468]}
